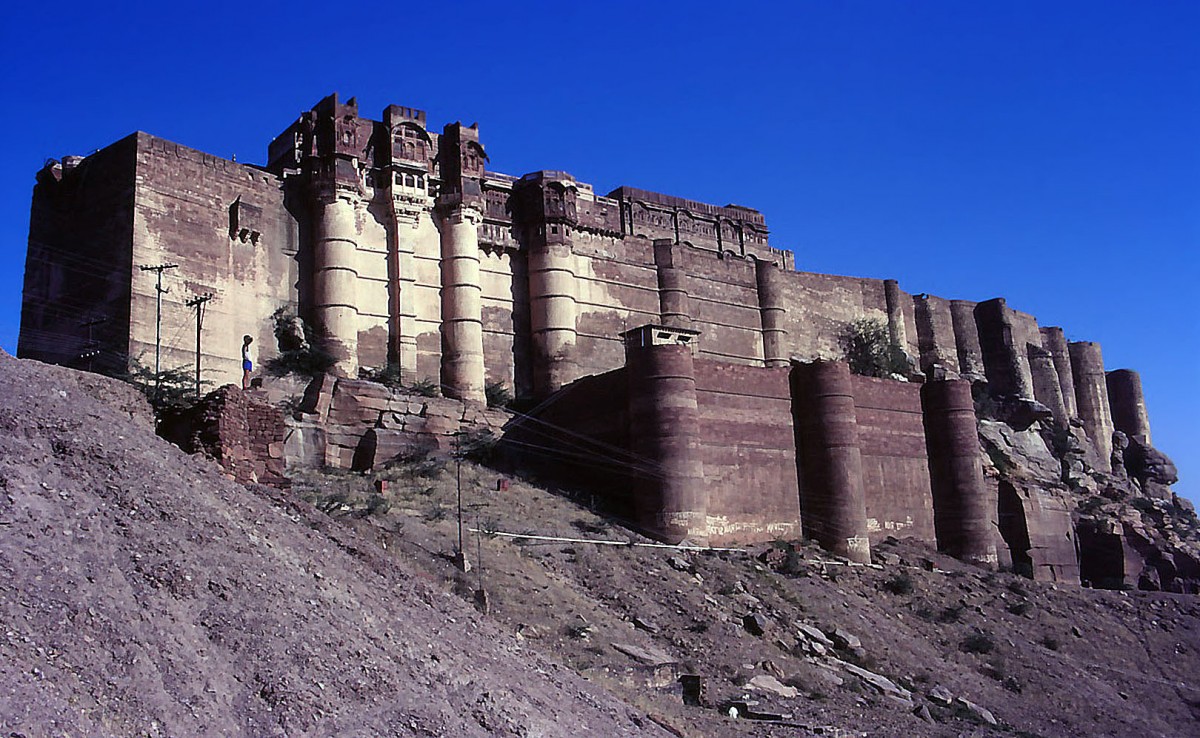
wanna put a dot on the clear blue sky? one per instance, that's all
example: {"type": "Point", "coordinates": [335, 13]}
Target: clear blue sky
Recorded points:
{"type": "Point", "coordinates": [1048, 152]}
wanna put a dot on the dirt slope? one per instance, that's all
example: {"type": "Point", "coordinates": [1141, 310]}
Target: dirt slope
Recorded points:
{"type": "Point", "coordinates": [1043, 660]}
{"type": "Point", "coordinates": [142, 593]}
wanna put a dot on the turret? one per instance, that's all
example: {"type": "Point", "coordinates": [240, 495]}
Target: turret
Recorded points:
{"type": "Point", "coordinates": [460, 213]}
{"type": "Point", "coordinates": [664, 432]}
{"type": "Point", "coordinates": [962, 506]}
{"type": "Point", "coordinates": [833, 508]}
{"type": "Point", "coordinates": [546, 214]}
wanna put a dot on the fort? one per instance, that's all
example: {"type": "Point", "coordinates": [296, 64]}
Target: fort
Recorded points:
{"type": "Point", "coordinates": [665, 350]}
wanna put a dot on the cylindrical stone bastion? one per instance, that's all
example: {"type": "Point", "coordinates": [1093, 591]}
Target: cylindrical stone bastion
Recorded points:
{"type": "Point", "coordinates": [962, 507]}
{"type": "Point", "coordinates": [832, 500]}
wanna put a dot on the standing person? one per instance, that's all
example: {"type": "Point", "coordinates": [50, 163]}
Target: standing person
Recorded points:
{"type": "Point", "coordinates": [247, 365]}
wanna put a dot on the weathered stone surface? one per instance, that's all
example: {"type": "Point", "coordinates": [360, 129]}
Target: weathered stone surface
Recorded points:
{"type": "Point", "coordinates": [648, 656]}
{"type": "Point", "coordinates": [881, 684]}
{"type": "Point", "coordinates": [768, 683]}
{"type": "Point", "coordinates": [1019, 454]}
{"type": "Point", "coordinates": [1147, 464]}
{"type": "Point", "coordinates": [981, 713]}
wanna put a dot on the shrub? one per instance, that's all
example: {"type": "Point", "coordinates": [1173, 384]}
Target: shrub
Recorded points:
{"type": "Point", "coordinates": [1020, 608]}
{"type": "Point", "coordinates": [869, 349]}
{"type": "Point", "coordinates": [900, 584]}
{"type": "Point", "coordinates": [389, 376]}
{"type": "Point", "coordinates": [951, 614]}
{"type": "Point", "coordinates": [497, 394]}
{"type": "Point", "coordinates": [424, 387]}
{"type": "Point", "coordinates": [978, 643]}
{"type": "Point", "coordinates": [478, 445]}
{"type": "Point", "coordinates": [169, 390]}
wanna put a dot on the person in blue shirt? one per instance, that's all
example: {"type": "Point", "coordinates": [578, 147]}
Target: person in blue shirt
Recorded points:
{"type": "Point", "coordinates": [247, 364]}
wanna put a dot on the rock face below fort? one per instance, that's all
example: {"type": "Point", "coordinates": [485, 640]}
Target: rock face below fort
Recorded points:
{"type": "Point", "coordinates": [146, 593]}
{"type": "Point", "coordinates": [143, 593]}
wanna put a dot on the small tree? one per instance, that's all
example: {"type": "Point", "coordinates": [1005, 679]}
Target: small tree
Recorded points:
{"type": "Point", "coordinates": [170, 389]}
{"type": "Point", "coordinates": [870, 351]}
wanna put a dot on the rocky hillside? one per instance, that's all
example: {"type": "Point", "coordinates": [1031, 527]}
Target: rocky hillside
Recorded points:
{"type": "Point", "coordinates": [143, 593]}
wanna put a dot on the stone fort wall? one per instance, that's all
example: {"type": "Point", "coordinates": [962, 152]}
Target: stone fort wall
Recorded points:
{"type": "Point", "coordinates": [400, 248]}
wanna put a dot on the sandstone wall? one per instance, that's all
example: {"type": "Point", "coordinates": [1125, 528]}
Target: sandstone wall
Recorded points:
{"type": "Point", "coordinates": [238, 429]}
{"type": "Point", "coordinates": [894, 459]}
{"type": "Point", "coordinates": [79, 268]}
{"type": "Point", "coordinates": [226, 227]}
{"type": "Point", "coordinates": [821, 305]}
{"type": "Point", "coordinates": [366, 424]}
{"type": "Point", "coordinates": [748, 452]}
{"type": "Point", "coordinates": [617, 289]}
{"type": "Point", "coordinates": [935, 334]}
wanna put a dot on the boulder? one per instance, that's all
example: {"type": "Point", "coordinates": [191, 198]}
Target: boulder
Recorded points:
{"type": "Point", "coordinates": [980, 713]}
{"type": "Point", "coordinates": [814, 635]}
{"type": "Point", "coordinates": [1018, 454]}
{"type": "Point", "coordinates": [768, 683]}
{"type": "Point", "coordinates": [845, 640]}
{"type": "Point", "coordinates": [648, 656]}
{"type": "Point", "coordinates": [941, 696]}
{"type": "Point", "coordinates": [755, 623]}
{"type": "Point", "coordinates": [1147, 464]}
{"type": "Point", "coordinates": [881, 684]}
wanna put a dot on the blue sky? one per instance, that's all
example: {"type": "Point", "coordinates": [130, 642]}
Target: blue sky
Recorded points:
{"type": "Point", "coordinates": [1048, 152]}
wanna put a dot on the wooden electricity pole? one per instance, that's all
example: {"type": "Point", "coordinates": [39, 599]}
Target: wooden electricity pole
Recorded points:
{"type": "Point", "coordinates": [158, 293]}
{"type": "Point", "coordinates": [198, 303]}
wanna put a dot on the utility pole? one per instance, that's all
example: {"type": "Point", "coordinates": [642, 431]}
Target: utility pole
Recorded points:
{"type": "Point", "coordinates": [198, 303]}
{"type": "Point", "coordinates": [460, 558]}
{"type": "Point", "coordinates": [159, 291]}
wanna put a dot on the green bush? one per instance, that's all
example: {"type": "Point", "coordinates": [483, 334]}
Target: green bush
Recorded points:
{"type": "Point", "coordinates": [869, 349]}
{"type": "Point", "coordinates": [497, 394]}
{"type": "Point", "coordinates": [170, 390]}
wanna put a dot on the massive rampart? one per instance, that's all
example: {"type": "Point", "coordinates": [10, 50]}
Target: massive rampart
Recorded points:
{"type": "Point", "coordinates": [690, 365]}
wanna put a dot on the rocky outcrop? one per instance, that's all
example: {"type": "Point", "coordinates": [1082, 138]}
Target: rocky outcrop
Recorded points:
{"type": "Point", "coordinates": [358, 424]}
{"type": "Point", "coordinates": [1065, 513]}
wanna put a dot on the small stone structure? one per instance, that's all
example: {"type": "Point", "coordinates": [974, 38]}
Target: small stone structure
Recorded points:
{"type": "Point", "coordinates": [240, 430]}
